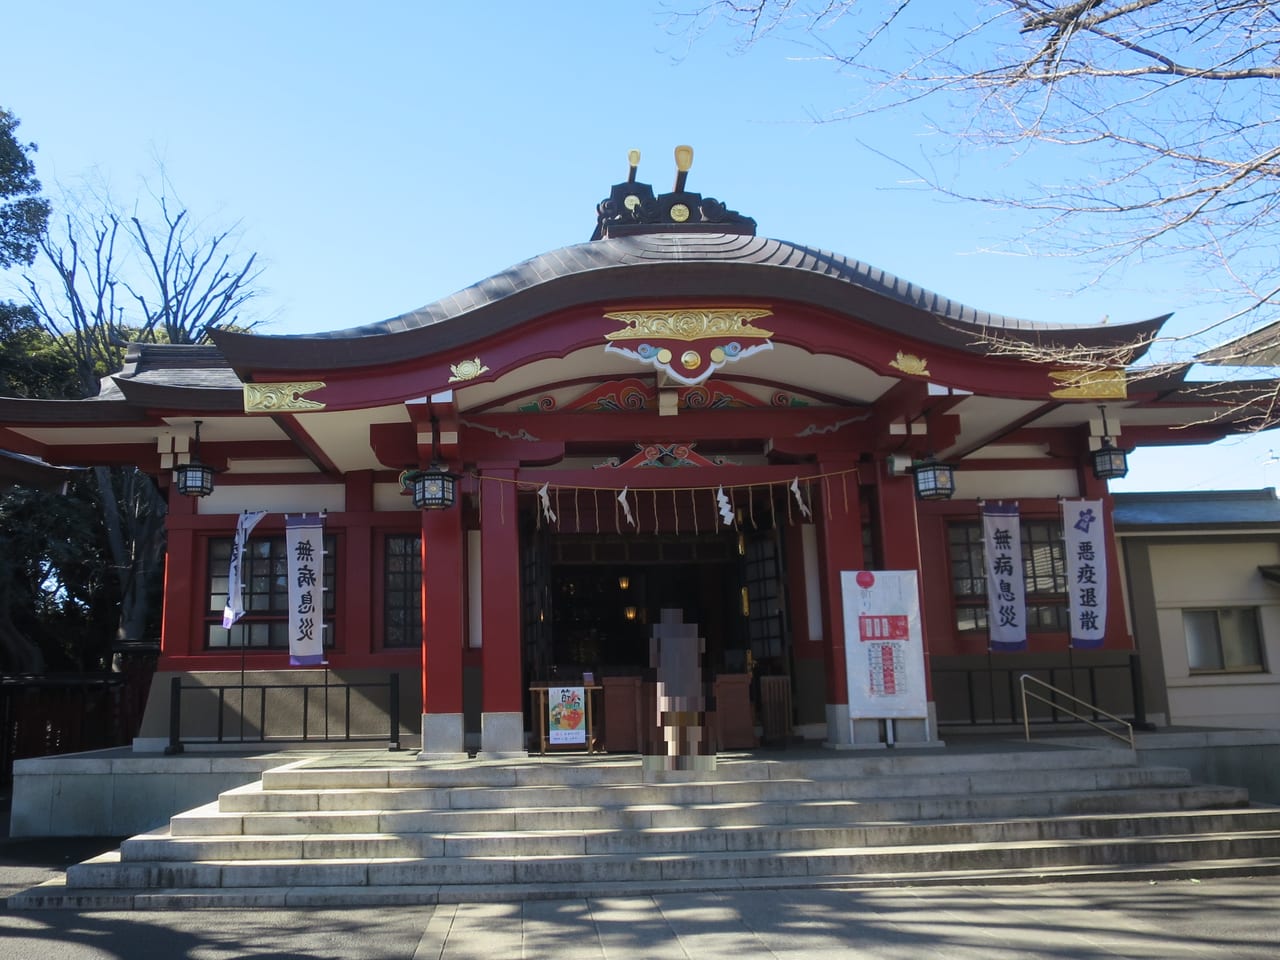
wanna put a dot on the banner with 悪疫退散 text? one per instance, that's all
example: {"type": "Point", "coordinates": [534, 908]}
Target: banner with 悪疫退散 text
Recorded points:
{"type": "Point", "coordinates": [1085, 544]}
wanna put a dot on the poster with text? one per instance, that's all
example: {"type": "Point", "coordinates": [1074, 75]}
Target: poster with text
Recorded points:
{"type": "Point", "coordinates": [883, 644]}
{"type": "Point", "coordinates": [567, 718]}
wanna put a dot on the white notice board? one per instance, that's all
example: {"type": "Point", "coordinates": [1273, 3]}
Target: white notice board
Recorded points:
{"type": "Point", "coordinates": [883, 644]}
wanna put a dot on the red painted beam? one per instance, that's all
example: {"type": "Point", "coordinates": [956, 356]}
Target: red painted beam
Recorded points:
{"type": "Point", "coordinates": [648, 427]}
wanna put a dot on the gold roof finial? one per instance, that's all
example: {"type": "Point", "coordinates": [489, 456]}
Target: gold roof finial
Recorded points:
{"type": "Point", "coordinates": [684, 160]}
{"type": "Point", "coordinates": [633, 161]}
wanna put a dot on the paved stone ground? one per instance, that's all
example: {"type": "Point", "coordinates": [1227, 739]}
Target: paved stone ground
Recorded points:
{"type": "Point", "coordinates": [1171, 920]}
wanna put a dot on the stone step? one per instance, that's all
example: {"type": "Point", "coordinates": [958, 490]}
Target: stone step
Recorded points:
{"type": "Point", "coordinates": [161, 846]}
{"type": "Point", "coordinates": [628, 769]}
{"type": "Point", "coordinates": [422, 832]}
{"type": "Point", "coordinates": [630, 793]}
{"type": "Point", "coordinates": [109, 871]}
{"type": "Point", "coordinates": [214, 820]}
{"type": "Point", "coordinates": [55, 894]}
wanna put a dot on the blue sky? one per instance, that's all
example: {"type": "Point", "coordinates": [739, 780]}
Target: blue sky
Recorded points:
{"type": "Point", "coordinates": [383, 155]}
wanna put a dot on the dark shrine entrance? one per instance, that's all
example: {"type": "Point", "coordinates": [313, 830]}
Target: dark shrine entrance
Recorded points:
{"type": "Point", "coordinates": [591, 600]}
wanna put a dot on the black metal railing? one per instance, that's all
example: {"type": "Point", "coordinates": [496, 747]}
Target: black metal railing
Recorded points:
{"type": "Point", "coordinates": [309, 730]}
{"type": "Point", "coordinates": [991, 691]}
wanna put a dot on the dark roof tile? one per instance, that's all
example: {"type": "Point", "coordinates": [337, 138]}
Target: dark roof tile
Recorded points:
{"type": "Point", "coordinates": [1197, 509]}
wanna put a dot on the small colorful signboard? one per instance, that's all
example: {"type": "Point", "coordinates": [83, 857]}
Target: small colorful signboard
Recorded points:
{"type": "Point", "coordinates": [567, 718]}
{"type": "Point", "coordinates": [884, 645]}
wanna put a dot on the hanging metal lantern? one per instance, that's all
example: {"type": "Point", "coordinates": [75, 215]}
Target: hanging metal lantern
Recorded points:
{"type": "Point", "coordinates": [934, 480]}
{"type": "Point", "coordinates": [194, 478]}
{"type": "Point", "coordinates": [434, 488]}
{"type": "Point", "coordinates": [1109, 463]}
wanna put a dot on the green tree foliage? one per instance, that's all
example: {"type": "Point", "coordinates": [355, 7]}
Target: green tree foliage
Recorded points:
{"type": "Point", "coordinates": [59, 601]}
{"type": "Point", "coordinates": [23, 212]}
{"type": "Point", "coordinates": [32, 363]}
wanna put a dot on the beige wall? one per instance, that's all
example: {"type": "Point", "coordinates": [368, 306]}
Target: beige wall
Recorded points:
{"type": "Point", "coordinates": [1217, 573]}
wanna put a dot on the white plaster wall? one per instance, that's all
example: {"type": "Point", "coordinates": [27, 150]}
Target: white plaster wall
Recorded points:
{"type": "Point", "coordinates": [388, 498]}
{"type": "Point", "coordinates": [1215, 574]}
{"type": "Point", "coordinates": [299, 498]}
{"type": "Point", "coordinates": [1015, 484]}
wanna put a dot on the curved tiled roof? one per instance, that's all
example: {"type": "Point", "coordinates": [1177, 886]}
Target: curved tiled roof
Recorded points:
{"type": "Point", "coordinates": [667, 265]}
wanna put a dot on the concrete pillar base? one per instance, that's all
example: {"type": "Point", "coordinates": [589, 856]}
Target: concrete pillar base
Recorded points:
{"type": "Point", "coordinates": [502, 736]}
{"type": "Point", "coordinates": [442, 737]}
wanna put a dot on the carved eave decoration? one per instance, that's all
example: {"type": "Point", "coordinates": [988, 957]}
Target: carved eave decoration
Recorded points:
{"type": "Point", "coordinates": [466, 370]}
{"type": "Point", "coordinates": [689, 344]}
{"type": "Point", "coordinates": [910, 364]}
{"type": "Point", "coordinates": [281, 397]}
{"type": "Point", "coordinates": [1090, 384]}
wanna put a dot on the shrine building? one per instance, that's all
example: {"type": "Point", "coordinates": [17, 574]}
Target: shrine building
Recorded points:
{"type": "Point", "coordinates": [512, 483]}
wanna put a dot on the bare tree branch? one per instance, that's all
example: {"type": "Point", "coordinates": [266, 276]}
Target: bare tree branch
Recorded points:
{"type": "Point", "coordinates": [116, 278]}
{"type": "Point", "coordinates": [1166, 111]}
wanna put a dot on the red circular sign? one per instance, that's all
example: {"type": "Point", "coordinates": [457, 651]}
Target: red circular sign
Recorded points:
{"type": "Point", "coordinates": [865, 579]}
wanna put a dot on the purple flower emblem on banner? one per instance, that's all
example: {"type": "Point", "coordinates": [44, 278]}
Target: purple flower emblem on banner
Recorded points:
{"type": "Point", "coordinates": [1087, 519]}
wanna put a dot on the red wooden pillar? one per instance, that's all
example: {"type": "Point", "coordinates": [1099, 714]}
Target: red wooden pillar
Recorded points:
{"type": "Point", "coordinates": [501, 704]}
{"type": "Point", "coordinates": [839, 549]}
{"type": "Point", "coordinates": [442, 633]}
{"type": "Point", "coordinates": [183, 596]}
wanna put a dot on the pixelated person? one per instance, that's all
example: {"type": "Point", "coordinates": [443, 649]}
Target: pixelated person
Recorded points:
{"type": "Point", "coordinates": [675, 652]}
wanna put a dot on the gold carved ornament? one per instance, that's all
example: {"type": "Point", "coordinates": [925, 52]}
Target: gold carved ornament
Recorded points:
{"type": "Point", "coordinates": [280, 397]}
{"type": "Point", "coordinates": [1090, 384]}
{"type": "Point", "coordinates": [909, 363]}
{"type": "Point", "coordinates": [689, 324]}
{"type": "Point", "coordinates": [466, 370]}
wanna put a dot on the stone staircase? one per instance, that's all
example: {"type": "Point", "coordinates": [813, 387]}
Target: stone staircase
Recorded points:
{"type": "Point", "coordinates": [329, 832]}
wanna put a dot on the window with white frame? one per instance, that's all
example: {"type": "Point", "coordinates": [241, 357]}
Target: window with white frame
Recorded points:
{"type": "Point", "coordinates": [1223, 640]}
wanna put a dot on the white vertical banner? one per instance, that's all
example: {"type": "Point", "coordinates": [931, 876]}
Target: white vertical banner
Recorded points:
{"type": "Point", "coordinates": [234, 608]}
{"type": "Point", "coordinates": [883, 644]}
{"type": "Point", "coordinates": [1085, 542]}
{"type": "Point", "coordinates": [1006, 588]}
{"type": "Point", "coordinates": [304, 543]}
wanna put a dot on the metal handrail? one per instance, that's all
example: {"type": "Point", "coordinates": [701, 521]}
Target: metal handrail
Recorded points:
{"type": "Point", "coordinates": [1026, 722]}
